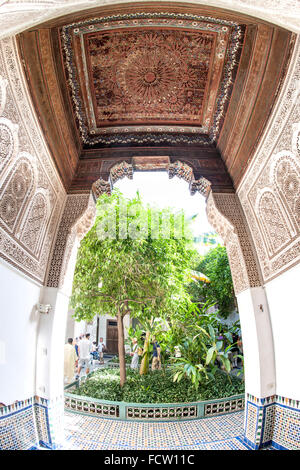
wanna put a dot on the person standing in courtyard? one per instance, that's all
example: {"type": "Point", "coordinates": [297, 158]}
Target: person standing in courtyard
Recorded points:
{"type": "Point", "coordinates": [101, 349]}
{"type": "Point", "coordinates": [70, 359]}
{"type": "Point", "coordinates": [240, 346]}
{"type": "Point", "coordinates": [94, 352]}
{"type": "Point", "coordinates": [234, 351]}
{"type": "Point", "coordinates": [156, 362]}
{"type": "Point", "coordinates": [84, 349]}
{"type": "Point", "coordinates": [135, 355]}
{"type": "Point", "coordinates": [76, 346]}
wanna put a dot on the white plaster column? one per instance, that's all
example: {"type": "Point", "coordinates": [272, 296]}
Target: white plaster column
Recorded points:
{"type": "Point", "coordinates": [284, 301]}
{"type": "Point", "coordinates": [50, 349]}
{"type": "Point", "coordinates": [258, 345]}
{"type": "Point", "coordinates": [70, 327]}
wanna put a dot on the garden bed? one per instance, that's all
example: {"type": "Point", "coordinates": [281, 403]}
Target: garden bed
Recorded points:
{"type": "Point", "coordinates": [153, 397]}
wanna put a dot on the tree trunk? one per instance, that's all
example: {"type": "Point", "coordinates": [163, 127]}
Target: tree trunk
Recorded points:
{"type": "Point", "coordinates": [121, 349]}
{"type": "Point", "coordinates": [144, 369]}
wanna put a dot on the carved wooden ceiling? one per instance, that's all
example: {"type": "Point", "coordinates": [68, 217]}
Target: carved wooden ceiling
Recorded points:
{"type": "Point", "coordinates": [189, 82]}
{"type": "Point", "coordinates": [132, 75]}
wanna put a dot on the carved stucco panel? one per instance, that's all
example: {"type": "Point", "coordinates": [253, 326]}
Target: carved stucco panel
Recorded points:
{"type": "Point", "coordinates": [77, 210]}
{"type": "Point", "coordinates": [32, 195]}
{"type": "Point", "coordinates": [3, 85]}
{"type": "Point", "coordinates": [286, 174]}
{"type": "Point", "coordinates": [226, 229]}
{"type": "Point", "coordinates": [34, 226]}
{"type": "Point", "coordinates": [8, 141]}
{"type": "Point", "coordinates": [273, 223]}
{"type": "Point", "coordinates": [15, 193]}
{"type": "Point", "coordinates": [276, 170]}
{"type": "Point", "coordinates": [77, 233]}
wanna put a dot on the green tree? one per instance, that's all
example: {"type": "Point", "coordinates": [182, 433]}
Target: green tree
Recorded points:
{"type": "Point", "coordinates": [215, 266]}
{"type": "Point", "coordinates": [122, 269]}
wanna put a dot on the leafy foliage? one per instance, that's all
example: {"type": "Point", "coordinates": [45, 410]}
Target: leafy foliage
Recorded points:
{"type": "Point", "coordinates": [130, 275]}
{"type": "Point", "coordinates": [204, 343]}
{"type": "Point", "coordinates": [215, 266]}
{"type": "Point", "coordinates": [123, 274]}
{"type": "Point", "coordinates": [156, 387]}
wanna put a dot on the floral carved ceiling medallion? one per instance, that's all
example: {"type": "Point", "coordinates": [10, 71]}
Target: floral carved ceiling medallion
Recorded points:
{"type": "Point", "coordinates": [159, 74]}
{"type": "Point", "coordinates": [156, 76]}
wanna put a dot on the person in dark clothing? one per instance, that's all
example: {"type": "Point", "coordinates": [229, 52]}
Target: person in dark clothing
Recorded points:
{"type": "Point", "coordinates": [156, 363]}
{"type": "Point", "coordinates": [234, 350]}
{"type": "Point", "coordinates": [76, 347]}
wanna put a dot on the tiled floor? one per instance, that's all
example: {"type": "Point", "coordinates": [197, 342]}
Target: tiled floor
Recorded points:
{"type": "Point", "coordinates": [218, 433]}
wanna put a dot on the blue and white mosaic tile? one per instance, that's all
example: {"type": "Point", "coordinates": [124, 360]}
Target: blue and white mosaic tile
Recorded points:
{"type": "Point", "coordinates": [272, 421]}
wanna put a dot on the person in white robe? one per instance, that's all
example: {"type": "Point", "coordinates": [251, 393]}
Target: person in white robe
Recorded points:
{"type": "Point", "coordinates": [135, 355]}
{"type": "Point", "coordinates": [70, 359]}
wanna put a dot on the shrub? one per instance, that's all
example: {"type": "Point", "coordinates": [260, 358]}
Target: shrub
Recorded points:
{"type": "Point", "coordinates": [156, 387]}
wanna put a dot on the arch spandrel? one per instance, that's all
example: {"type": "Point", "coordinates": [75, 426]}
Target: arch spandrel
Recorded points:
{"type": "Point", "coordinates": [75, 207]}
{"type": "Point", "coordinates": [76, 233]}
{"type": "Point", "coordinates": [274, 224]}
{"type": "Point", "coordinates": [35, 222]}
{"type": "Point", "coordinates": [225, 214]}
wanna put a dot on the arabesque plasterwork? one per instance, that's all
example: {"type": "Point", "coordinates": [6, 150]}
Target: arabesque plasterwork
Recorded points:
{"type": "Point", "coordinates": [225, 214]}
{"type": "Point", "coordinates": [270, 190]}
{"type": "Point", "coordinates": [77, 232]}
{"type": "Point", "coordinates": [77, 205]}
{"type": "Point", "coordinates": [31, 193]}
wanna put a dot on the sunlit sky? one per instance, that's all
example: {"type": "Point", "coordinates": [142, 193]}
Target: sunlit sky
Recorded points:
{"type": "Point", "coordinates": [157, 189]}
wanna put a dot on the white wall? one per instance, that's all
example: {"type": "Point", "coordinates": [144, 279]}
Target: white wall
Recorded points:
{"type": "Point", "coordinates": [79, 328]}
{"type": "Point", "coordinates": [70, 328]}
{"type": "Point", "coordinates": [284, 303]}
{"type": "Point", "coordinates": [74, 328]}
{"type": "Point", "coordinates": [18, 334]}
{"type": "Point", "coordinates": [50, 344]}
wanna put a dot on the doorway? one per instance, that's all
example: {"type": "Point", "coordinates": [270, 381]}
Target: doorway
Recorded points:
{"type": "Point", "coordinates": [112, 336]}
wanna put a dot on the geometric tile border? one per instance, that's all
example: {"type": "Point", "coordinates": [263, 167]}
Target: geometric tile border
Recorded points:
{"type": "Point", "coordinates": [272, 421]}
{"type": "Point", "coordinates": [25, 425]}
{"type": "Point", "coordinates": [17, 428]}
{"type": "Point", "coordinates": [28, 424]}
